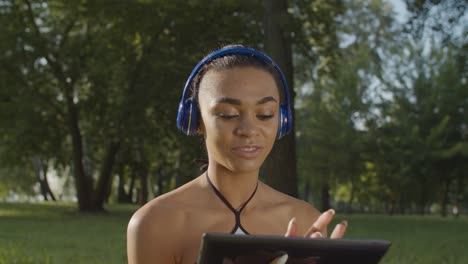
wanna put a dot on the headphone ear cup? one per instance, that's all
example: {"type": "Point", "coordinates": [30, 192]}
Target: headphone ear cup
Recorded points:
{"type": "Point", "coordinates": [187, 116]}
{"type": "Point", "coordinates": [285, 121]}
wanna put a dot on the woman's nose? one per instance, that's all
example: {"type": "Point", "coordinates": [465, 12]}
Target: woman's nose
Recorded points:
{"type": "Point", "coordinates": [247, 127]}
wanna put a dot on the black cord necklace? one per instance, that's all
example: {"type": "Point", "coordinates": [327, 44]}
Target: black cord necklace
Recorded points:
{"type": "Point", "coordinates": [236, 212]}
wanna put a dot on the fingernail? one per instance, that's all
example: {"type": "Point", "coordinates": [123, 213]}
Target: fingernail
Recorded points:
{"type": "Point", "coordinates": [292, 222]}
{"type": "Point", "coordinates": [344, 222]}
{"type": "Point", "coordinates": [280, 260]}
{"type": "Point", "coordinates": [227, 261]}
{"type": "Point", "coordinates": [319, 234]}
{"type": "Point", "coordinates": [331, 211]}
{"type": "Point", "coordinates": [283, 259]}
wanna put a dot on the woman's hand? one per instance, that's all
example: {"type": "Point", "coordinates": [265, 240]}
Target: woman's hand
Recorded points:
{"type": "Point", "coordinates": [317, 230]}
{"type": "Point", "coordinates": [319, 227]}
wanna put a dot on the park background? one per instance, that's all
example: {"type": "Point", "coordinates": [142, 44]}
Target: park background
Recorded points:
{"type": "Point", "coordinates": [89, 92]}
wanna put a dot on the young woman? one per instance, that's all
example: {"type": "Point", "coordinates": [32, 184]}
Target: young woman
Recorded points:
{"type": "Point", "coordinates": [236, 106]}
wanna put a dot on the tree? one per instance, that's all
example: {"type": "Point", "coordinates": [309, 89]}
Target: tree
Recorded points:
{"type": "Point", "coordinates": [295, 29]}
{"type": "Point", "coordinates": [437, 18]}
{"type": "Point", "coordinates": [280, 166]}
{"type": "Point", "coordinates": [333, 112]}
{"type": "Point", "coordinates": [98, 70]}
{"type": "Point", "coordinates": [427, 117]}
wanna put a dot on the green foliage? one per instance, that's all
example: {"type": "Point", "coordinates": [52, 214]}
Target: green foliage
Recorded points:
{"type": "Point", "coordinates": [314, 36]}
{"type": "Point", "coordinates": [18, 180]}
{"type": "Point", "coordinates": [331, 115]}
{"type": "Point", "coordinates": [388, 129]}
{"type": "Point", "coordinates": [446, 20]}
{"type": "Point", "coordinates": [108, 74]}
{"type": "Point", "coordinates": [426, 126]}
{"type": "Point", "coordinates": [381, 117]}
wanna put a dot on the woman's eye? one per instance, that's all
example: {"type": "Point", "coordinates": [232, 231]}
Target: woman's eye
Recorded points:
{"type": "Point", "coordinates": [227, 116]}
{"type": "Point", "coordinates": [265, 117]}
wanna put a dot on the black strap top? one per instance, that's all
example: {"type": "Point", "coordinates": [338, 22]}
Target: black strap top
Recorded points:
{"type": "Point", "coordinates": [238, 229]}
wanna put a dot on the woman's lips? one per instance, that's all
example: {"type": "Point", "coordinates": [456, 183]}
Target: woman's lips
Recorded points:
{"type": "Point", "coordinates": [248, 152]}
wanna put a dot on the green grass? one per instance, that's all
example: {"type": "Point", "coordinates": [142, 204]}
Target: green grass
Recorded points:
{"type": "Point", "coordinates": [56, 233]}
{"type": "Point", "coordinates": [415, 239]}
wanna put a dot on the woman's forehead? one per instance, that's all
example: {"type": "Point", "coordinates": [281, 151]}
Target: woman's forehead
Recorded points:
{"type": "Point", "coordinates": [238, 82]}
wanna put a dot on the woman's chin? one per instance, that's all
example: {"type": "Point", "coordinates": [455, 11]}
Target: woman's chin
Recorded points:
{"type": "Point", "coordinates": [246, 166]}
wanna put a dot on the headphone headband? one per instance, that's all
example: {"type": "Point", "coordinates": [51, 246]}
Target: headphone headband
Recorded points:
{"type": "Point", "coordinates": [187, 123]}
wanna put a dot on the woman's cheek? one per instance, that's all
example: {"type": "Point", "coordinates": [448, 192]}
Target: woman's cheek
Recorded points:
{"type": "Point", "coordinates": [273, 127]}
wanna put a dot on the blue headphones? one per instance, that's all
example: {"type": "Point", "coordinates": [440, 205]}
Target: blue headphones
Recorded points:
{"type": "Point", "coordinates": [188, 114]}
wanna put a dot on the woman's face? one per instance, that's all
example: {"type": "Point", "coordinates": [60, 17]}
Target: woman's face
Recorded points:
{"type": "Point", "coordinates": [239, 109]}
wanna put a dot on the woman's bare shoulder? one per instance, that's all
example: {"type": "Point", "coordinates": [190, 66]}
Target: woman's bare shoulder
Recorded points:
{"type": "Point", "coordinates": [166, 209]}
{"type": "Point", "coordinates": [157, 211]}
{"type": "Point", "coordinates": [302, 210]}
{"type": "Point", "coordinates": [305, 211]}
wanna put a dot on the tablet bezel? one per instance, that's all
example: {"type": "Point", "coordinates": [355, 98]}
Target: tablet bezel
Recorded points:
{"type": "Point", "coordinates": [330, 251]}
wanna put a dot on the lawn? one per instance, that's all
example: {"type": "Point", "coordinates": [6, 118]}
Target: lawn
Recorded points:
{"type": "Point", "coordinates": [56, 233]}
{"type": "Point", "coordinates": [415, 239]}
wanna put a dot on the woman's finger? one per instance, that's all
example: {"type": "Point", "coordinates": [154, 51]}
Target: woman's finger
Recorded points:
{"type": "Point", "coordinates": [280, 260]}
{"type": "Point", "coordinates": [321, 223]}
{"type": "Point", "coordinates": [316, 235]}
{"type": "Point", "coordinates": [292, 228]}
{"type": "Point", "coordinates": [339, 230]}
{"type": "Point", "coordinates": [227, 261]}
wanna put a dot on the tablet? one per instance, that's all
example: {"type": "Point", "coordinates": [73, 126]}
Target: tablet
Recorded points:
{"type": "Point", "coordinates": [248, 249]}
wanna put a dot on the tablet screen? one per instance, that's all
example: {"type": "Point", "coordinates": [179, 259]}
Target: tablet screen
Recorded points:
{"type": "Point", "coordinates": [215, 248]}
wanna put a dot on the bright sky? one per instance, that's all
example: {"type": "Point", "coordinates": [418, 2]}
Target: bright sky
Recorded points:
{"type": "Point", "coordinates": [399, 6]}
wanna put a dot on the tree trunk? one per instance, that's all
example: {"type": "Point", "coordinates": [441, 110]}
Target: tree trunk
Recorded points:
{"type": "Point", "coordinates": [83, 182]}
{"type": "Point", "coordinates": [46, 183]}
{"type": "Point", "coordinates": [104, 184]}
{"type": "Point", "coordinates": [161, 173]}
{"type": "Point", "coordinates": [122, 196]}
{"type": "Point", "coordinates": [142, 170]}
{"type": "Point", "coordinates": [325, 197]}
{"type": "Point", "coordinates": [349, 205]}
{"type": "Point", "coordinates": [306, 191]}
{"type": "Point", "coordinates": [37, 164]}
{"type": "Point", "coordinates": [178, 178]}
{"type": "Point", "coordinates": [143, 193]}
{"type": "Point", "coordinates": [131, 189]}
{"type": "Point", "coordinates": [460, 194]}
{"type": "Point", "coordinates": [280, 166]}
{"type": "Point", "coordinates": [40, 170]}
{"type": "Point", "coordinates": [444, 200]}
{"type": "Point", "coordinates": [422, 201]}
{"type": "Point", "coordinates": [402, 203]}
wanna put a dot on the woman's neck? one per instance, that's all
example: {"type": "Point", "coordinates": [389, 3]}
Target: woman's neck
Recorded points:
{"type": "Point", "coordinates": [235, 187]}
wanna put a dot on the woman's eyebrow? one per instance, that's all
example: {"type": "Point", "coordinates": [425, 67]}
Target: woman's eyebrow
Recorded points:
{"type": "Point", "coordinates": [266, 100]}
{"type": "Point", "coordinates": [227, 100]}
